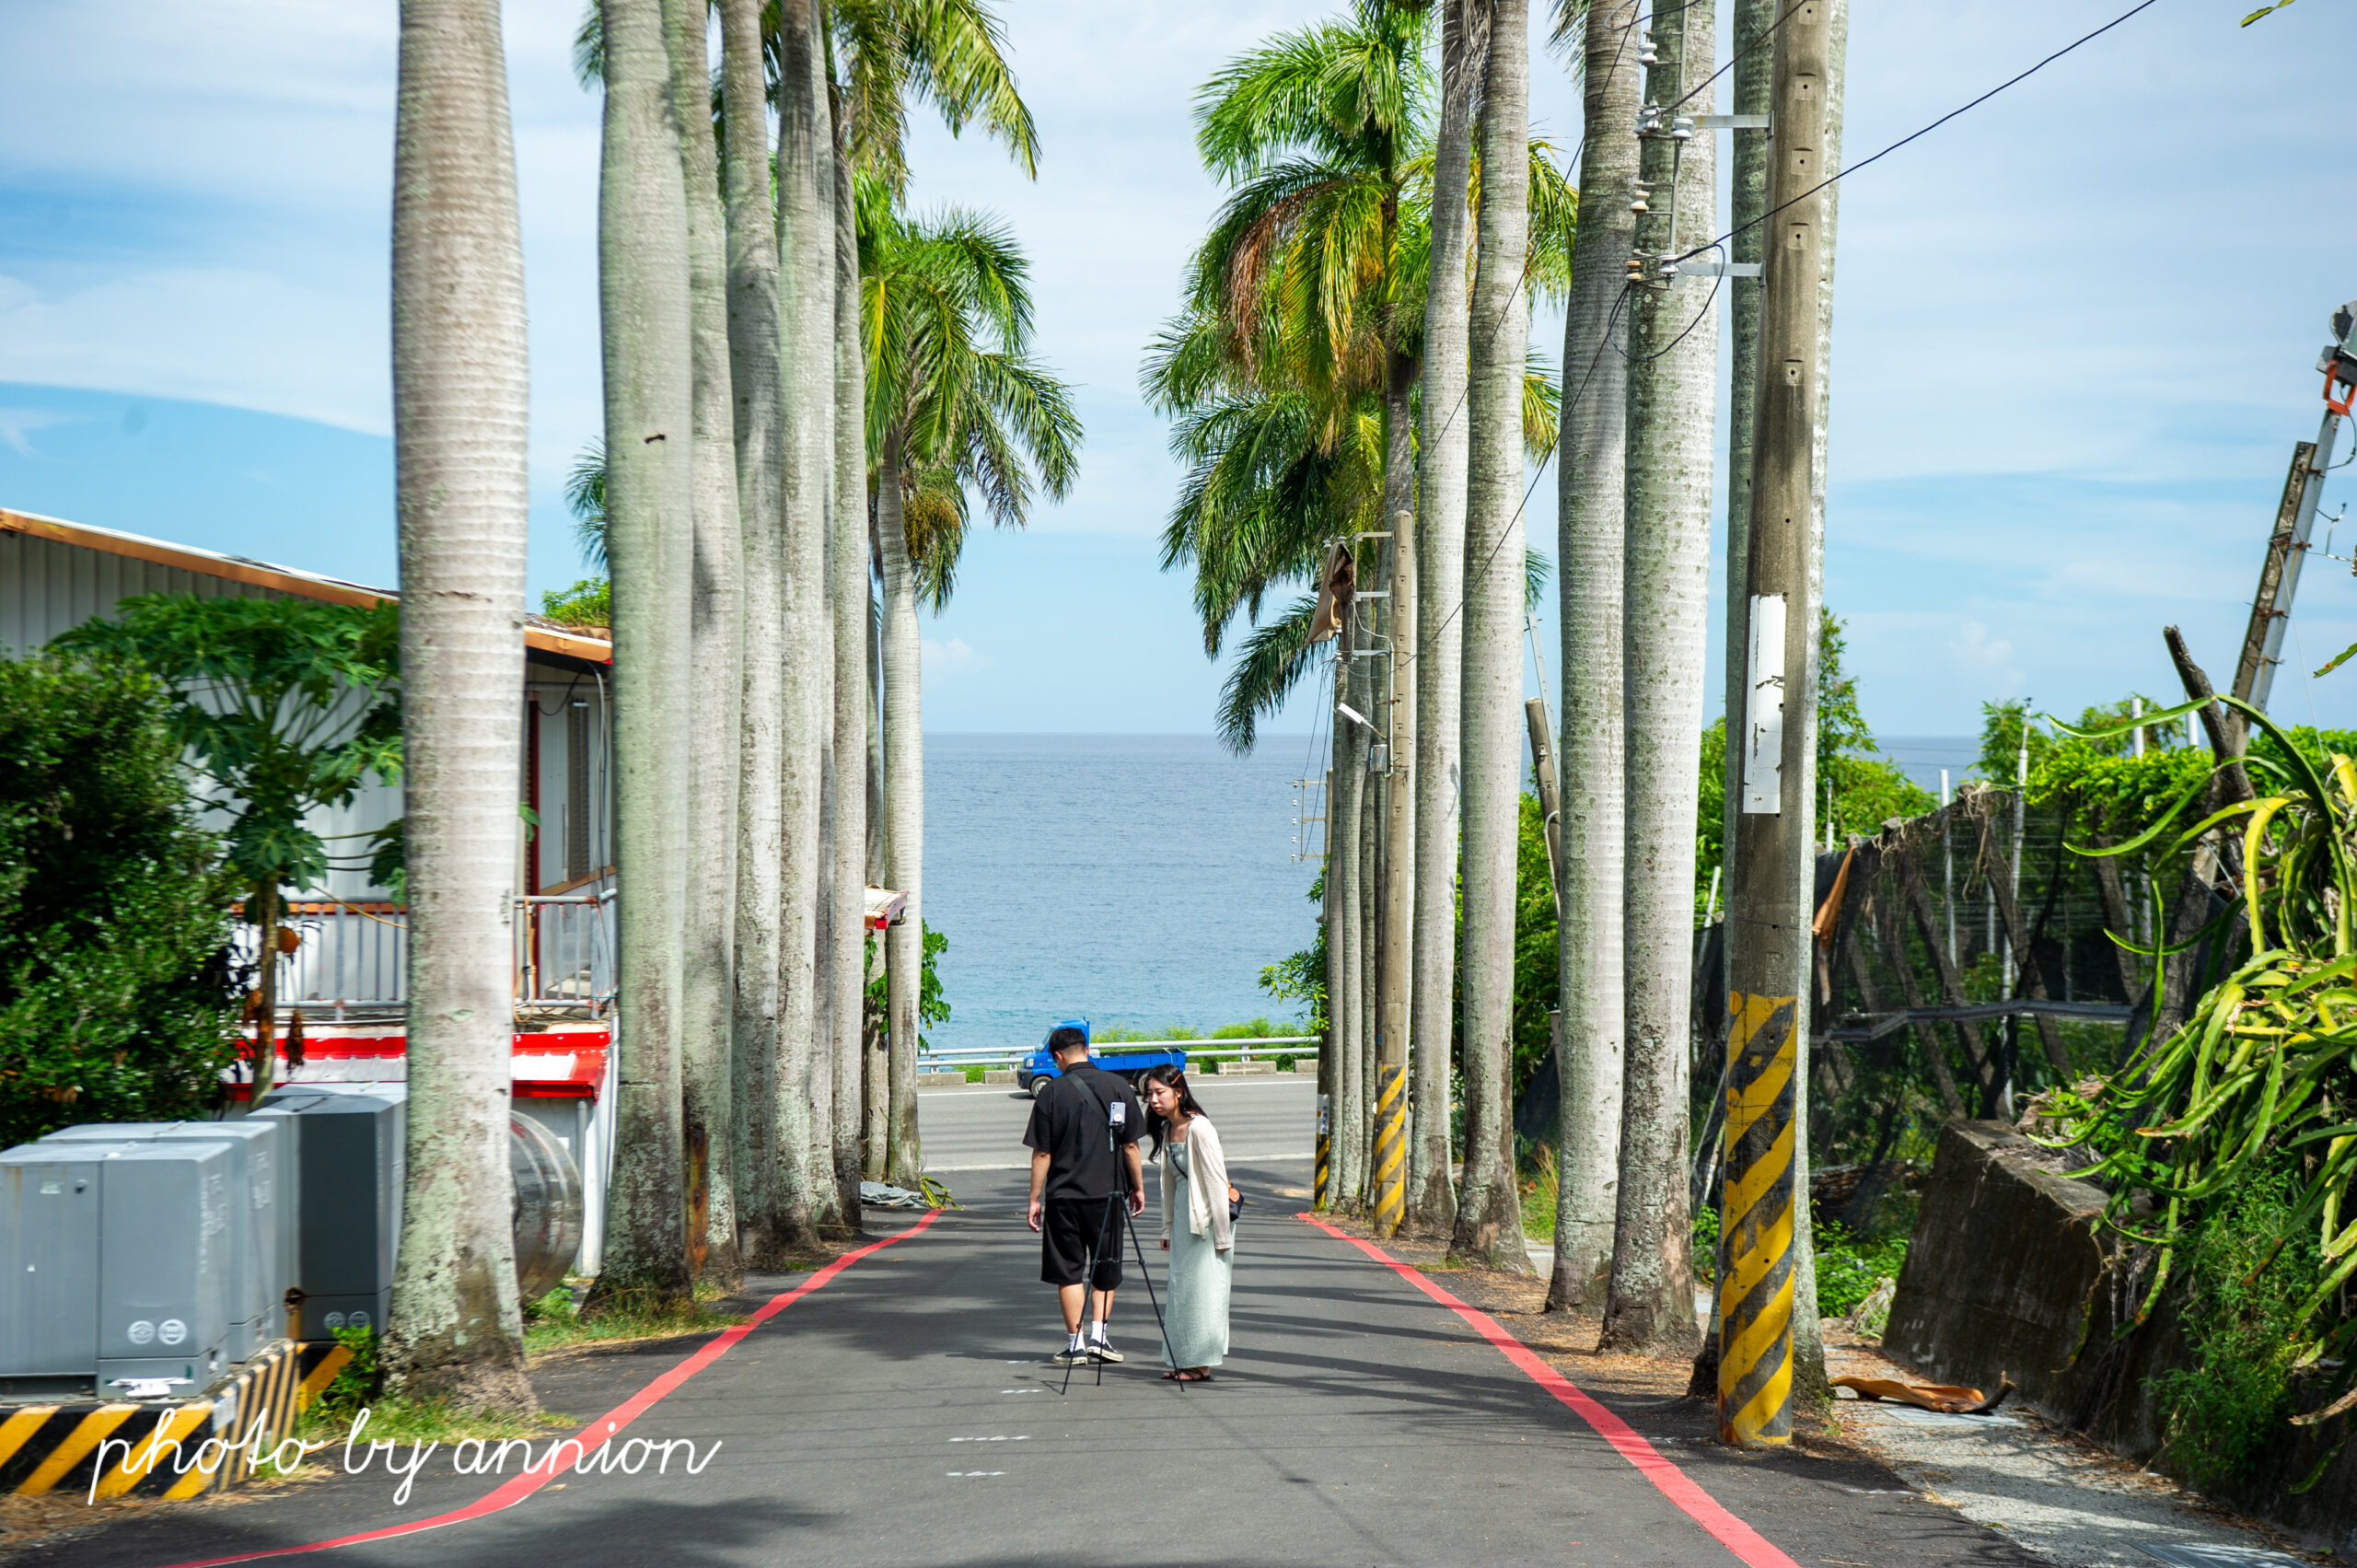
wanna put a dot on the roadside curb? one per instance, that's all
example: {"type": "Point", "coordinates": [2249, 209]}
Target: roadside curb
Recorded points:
{"type": "Point", "coordinates": [161, 1449]}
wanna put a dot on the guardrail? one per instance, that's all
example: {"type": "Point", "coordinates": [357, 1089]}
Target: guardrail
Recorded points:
{"type": "Point", "coordinates": [1294, 1045]}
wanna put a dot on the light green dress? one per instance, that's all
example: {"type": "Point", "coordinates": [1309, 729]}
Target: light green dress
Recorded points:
{"type": "Point", "coordinates": [1196, 1317]}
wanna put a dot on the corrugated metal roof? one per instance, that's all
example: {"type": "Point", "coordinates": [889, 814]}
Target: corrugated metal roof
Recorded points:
{"type": "Point", "coordinates": [540, 634]}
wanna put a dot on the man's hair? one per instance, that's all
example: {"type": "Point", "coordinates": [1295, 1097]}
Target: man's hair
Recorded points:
{"type": "Point", "coordinates": [1063, 1043]}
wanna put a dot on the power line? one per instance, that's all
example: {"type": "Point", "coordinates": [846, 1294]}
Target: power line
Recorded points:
{"type": "Point", "coordinates": [1984, 98]}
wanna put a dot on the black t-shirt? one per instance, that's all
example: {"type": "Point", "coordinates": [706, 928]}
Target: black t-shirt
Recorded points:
{"type": "Point", "coordinates": [1067, 1123]}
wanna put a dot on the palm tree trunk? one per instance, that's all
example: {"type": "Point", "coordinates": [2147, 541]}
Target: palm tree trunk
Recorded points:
{"type": "Point", "coordinates": [904, 814]}
{"type": "Point", "coordinates": [1590, 532]}
{"type": "Point", "coordinates": [1489, 1218]}
{"type": "Point", "coordinates": [459, 395]}
{"type": "Point", "coordinates": [755, 375]}
{"type": "Point", "coordinates": [650, 504]}
{"type": "Point", "coordinates": [1673, 351]}
{"type": "Point", "coordinates": [875, 1033]}
{"type": "Point", "coordinates": [807, 332]}
{"type": "Point", "coordinates": [848, 604]}
{"type": "Point", "coordinates": [708, 979]}
{"type": "Point", "coordinates": [1438, 668]}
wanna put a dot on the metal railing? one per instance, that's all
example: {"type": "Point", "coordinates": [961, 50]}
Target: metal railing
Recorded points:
{"type": "Point", "coordinates": [353, 960]}
{"type": "Point", "coordinates": [1215, 1050]}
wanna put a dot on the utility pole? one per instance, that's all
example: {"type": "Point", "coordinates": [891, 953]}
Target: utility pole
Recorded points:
{"type": "Point", "coordinates": [1773, 868]}
{"type": "Point", "coordinates": [1330, 1060]}
{"type": "Point", "coordinates": [1399, 890]}
{"type": "Point", "coordinates": [2284, 554]}
{"type": "Point", "coordinates": [1551, 795]}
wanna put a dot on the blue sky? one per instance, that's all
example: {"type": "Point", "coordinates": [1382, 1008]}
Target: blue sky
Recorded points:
{"type": "Point", "coordinates": [2072, 342]}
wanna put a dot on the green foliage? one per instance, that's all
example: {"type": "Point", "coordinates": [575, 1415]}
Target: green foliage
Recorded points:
{"type": "Point", "coordinates": [1706, 1244]}
{"type": "Point", "coordinates": [932, 1006]}
{"type": "Point", "coordinates": [2260, 1076]}
{"type": "Point", "coordinates": [1849, 1267]}
{"type": "Point", "coordinates": [1538, 981]}
{"type": "Point", "coordinates": [646, 1312]}
{"type": "Point", "coordinates": [356, 1384]}
{"type": "Point", "coordinates": [284, 707]}
{"type": "Point", "coordinates": [116, 990]}
{"type": "Point", "coordinates": [2241, 1319]}
{"type": "Point", "coordinates": [589, 602]}
{"type": "Point", "coordinates": [585, 495]}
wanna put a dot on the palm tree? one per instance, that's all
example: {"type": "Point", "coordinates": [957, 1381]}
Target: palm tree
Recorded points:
{"type": "Point", "coordinates": [1488, 1220]}
{"type": "Point", "coordinates": [887, 55]}
{"type": "Point", "coordinates": [459, 395]}
{"type": "Point", "coordinates": [849, 607]}
{"type": "Point", "coordinates": [1440, 581]}
{"type": "Point", "coordinates": [806, 191]}
{"type": "Point", "coordinates": [753, 350]}
{"type": "Point", "coordinates": [1672, 391]}
{"type": "Point", "coordinates": [708, 977]}
{"type": "Point", "coordinates": [1590, 530]}
{"type": "Point", "coordinates": [649, 377]}
{"type": "Point", "coordinates": [953, 399]}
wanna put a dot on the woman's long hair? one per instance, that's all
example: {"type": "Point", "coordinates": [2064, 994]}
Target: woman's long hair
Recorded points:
{"type": "Point", "coordinates": [1155, 1122]}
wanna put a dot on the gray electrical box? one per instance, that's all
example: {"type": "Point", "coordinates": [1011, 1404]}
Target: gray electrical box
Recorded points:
{"type": "Point", "coordinates": [117, 1259]}
{"type": "Point", "coordinates": [347, 1160]}
{"type": "Point", "coordinates": [261, 1231]}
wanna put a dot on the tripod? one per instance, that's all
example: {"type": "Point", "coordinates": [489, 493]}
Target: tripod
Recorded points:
{"type": "Point", "coordinates": [1119, 1206]}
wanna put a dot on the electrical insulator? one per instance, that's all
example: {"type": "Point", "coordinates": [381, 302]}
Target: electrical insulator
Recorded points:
{"type": "Point", "coordinates": [1651, 55]}
{"type": "Point", "coordinates": [1681, 129]}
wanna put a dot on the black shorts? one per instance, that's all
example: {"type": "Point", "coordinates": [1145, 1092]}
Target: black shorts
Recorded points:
{"type": "Point", "coordinates": [1070, 1229]}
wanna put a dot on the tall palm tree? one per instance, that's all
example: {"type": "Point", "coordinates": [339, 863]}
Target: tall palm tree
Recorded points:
{"type": "Point", "coordinates": [1488, 1220]}
{"type": "Point", "coordinates": [887, 55]}
{"type": "Point", "coordinates": [1672, 393]}
{"type": "Point", "coordinates": [649, 377]}
{"type": "Point", "coordinates": [1440, 581]}
{"type": "Point", "coordinates": [806, 191]}
{"type": "Point", "coordinates": [754, 358]}
{"type": "Point", "coordinates": [849, 607]}
{"type": "Point", "coordinates": [708, 977]}
{"type": "Point", "coordinates": [953, 397]}
{"type": "Point", "coordinates": [1590, 530]}
{"type": "Point", "coordinates": [459, 395]}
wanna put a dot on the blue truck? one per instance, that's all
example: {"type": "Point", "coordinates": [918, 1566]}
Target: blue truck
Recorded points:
{"type": "Point", "coordinates": [1132, 1063]}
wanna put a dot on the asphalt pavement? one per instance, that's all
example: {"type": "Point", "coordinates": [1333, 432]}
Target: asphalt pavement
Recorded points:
{"type": "Point", "coordinates": [904, 1413]}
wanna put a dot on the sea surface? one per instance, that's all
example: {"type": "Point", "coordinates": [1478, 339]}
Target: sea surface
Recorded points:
{"type": "Point", "coordinates": [1139, 880]}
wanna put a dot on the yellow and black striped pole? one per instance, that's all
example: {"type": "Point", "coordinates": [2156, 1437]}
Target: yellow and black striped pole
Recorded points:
{"type": "Point", "coordinates": [1391, 1148]}
{"type": "Point", "coordinates": [1323, 1194]}
{"type": "Point", "coordinates": [1771, 850]}
{"type": "Point", "coordinates": [1756, 1224]}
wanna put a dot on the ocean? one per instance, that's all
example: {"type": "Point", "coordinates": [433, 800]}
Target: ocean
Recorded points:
{"type": "Point", "coordinates": [1138, 880]}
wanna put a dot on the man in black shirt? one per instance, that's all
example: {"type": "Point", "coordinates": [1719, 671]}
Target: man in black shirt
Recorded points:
{"type": "Point", "coordinates": [1084, 1141]}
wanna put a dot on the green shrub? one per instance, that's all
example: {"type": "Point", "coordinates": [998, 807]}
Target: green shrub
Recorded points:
{"type": "Point", "coordinates": [2244, 1284]}
{"type": "Point", "coordinates": [117, 999]}
{"type": "Point", "coordinates": [1848, 1269]}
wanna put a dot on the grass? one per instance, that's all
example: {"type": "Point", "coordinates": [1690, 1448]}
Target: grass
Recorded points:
{"type": "Point", "coordinates": [554, 1322]}
{"type": "Point", "coordinates": [1536, 1180]}
{"type": "Point", "coordinates": [398, 1420]}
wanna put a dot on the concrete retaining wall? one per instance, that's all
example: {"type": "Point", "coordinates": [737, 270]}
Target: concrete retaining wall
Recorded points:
{"type": "Point", "coordinates": [2008, 1276]}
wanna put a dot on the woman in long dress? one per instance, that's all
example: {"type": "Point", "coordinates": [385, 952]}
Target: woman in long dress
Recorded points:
{"type": "Point", "coordinates": [1203, 1243]}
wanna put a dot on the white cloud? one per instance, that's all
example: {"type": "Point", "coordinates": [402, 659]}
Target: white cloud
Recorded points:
{"type": "Point", "coordinates": [955, 657]}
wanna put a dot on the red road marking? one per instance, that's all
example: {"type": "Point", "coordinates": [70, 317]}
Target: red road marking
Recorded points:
{"type": "Point", "coordinates": [1673, 1483]}
{"type": "Point", "coordinates": [599, 1432]}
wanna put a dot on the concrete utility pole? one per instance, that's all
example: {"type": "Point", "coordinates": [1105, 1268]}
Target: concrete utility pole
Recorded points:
{"type": "Point", "coordinates": [1399, 891]}
{"type": "Point", "coordinates": [1330, 1060]}
{"type": "Point", "coordinates": [1772, 869]}
{"type": "Point", "coordinates": [2339, 364]}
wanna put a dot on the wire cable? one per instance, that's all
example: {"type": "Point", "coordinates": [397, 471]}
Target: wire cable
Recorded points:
{"type": "Point", "coordinates": [1915, 135]}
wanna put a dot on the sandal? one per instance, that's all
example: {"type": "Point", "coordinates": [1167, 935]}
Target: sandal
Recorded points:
{"type": "Point", "coordinates": [1175, 1375]}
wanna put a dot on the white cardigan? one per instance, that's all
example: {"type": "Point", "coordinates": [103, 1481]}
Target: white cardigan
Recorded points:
{"type": "Point", "coordinates": [1206, 1186]}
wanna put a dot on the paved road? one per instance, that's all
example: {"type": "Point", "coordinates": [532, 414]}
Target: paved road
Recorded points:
{"type": "Point", "coordinates": [980, 1127]}
{"type": "Point", "coordinates": [902, 1415]}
